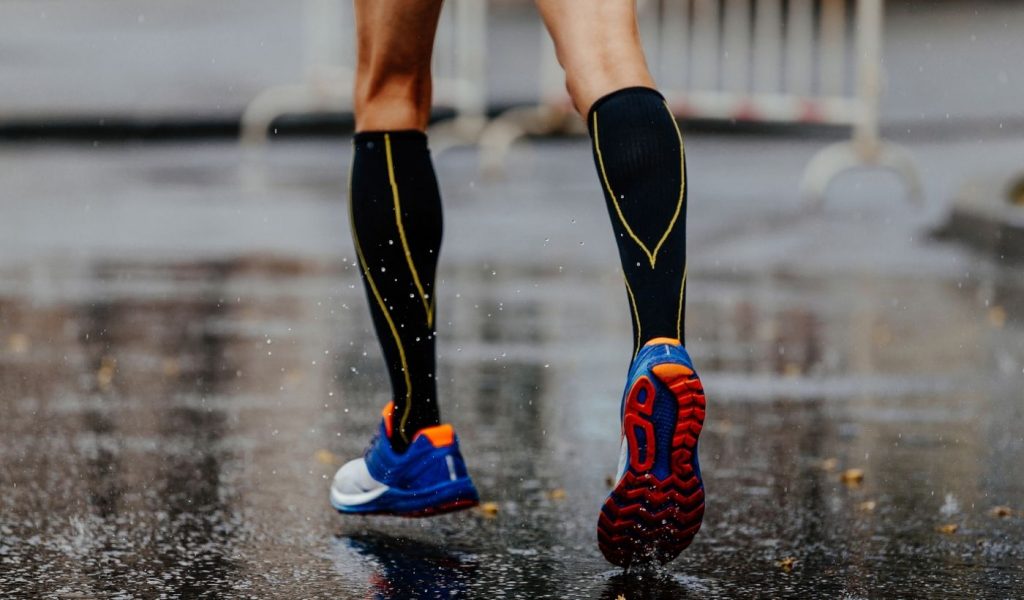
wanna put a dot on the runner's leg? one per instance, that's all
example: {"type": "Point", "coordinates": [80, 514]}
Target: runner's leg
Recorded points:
{"type": "Point", "coordinates": [657, 504]}
{"type": "Point", "coordinates": [395, 205]}
{"type": "Point", "coordinates": [638, 151]}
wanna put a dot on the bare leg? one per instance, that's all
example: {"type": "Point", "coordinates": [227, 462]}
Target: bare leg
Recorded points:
{"type": "Point", "coordinates": [598, 45]}
{"type": "Point", "coordinates": [395, 41]}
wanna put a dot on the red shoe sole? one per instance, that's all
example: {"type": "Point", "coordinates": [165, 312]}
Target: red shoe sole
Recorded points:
{"type": "Point", "coordinates": [646, 518]}
{"type": "Point", "coordinates": [440, 509]}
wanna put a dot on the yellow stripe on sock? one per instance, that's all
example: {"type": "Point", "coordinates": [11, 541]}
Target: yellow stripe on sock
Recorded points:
{"type": "Point", "coordinates": [652, 256]}
{"type": "Point", "coordinates": [679, 318]}
{"type": "Point", "coordinates": [682, 181]}
{"type": "Point", "coordinates": [387, 316]}
{"type": "Point", "coordinates": [636, 315]}
{"type": "Point", "coordinates": [682, 195]}
{"type": "Point", "coordinates": [428, 305]}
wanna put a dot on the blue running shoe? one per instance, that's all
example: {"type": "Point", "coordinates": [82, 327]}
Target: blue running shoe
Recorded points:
{"type": "Point", "coordinates": [429, 478]}
{"type": "Point", "coordinates": [657, 504]}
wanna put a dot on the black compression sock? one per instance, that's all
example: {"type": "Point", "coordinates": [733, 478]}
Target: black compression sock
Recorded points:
{"type": "Point", "coordinates": [640, 159]}
{"type": "Point", "coordinates": [395, 212]}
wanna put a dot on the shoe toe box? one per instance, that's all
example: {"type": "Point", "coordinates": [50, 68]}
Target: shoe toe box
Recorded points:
{"type": "Point", "coordinates": [354, 478]}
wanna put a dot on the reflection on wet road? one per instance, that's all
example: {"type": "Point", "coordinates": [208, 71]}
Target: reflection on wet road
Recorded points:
{"type": "Point", "coordinates": [172, 428]}
{"type": "Point", "coordinates": [169, 422]}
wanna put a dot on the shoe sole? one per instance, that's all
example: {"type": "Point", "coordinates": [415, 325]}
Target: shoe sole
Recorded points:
{"type": "Point", "coordinates": [646, 518]}
{"type": "Point", "coordinates": [440, 509]}
{"type": "Point", "coordinates": [446, 497]}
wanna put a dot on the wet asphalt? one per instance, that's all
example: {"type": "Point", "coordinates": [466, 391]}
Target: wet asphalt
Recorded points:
{"type": "Point", "coordinates": [186, 357]}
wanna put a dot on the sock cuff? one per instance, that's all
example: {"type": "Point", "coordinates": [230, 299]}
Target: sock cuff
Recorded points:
{"type": "Point", "coordinates": [630, 95]}
{"type": "Point", "coordinates": [410, 136]}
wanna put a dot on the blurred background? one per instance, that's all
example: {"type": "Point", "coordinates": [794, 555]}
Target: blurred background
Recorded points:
{"type": "Point", "coordinates": [186, 355]}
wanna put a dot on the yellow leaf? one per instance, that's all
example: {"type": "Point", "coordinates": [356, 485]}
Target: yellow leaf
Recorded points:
{"type": "Point", "coordinates": [557, 494]}
{"type": "Point", "coordinates": [1001, 511]}
{"type": "Point", "coordinates": [997, 316]}
{"type": "Point", "coordinates": [105, 374]}
{"type": "Point", "coordinates": [867, 505]}
{"type": "Point", "coordinates": [325, 457]}
{"type": "Point", "coordinates": [787, 564]}
{"type": "Point", "coordinates": [489, 509]}
{"type": "Point", "coordinates": [18, 343]}
{"type": "Point", "coordinates": [852, 477]}
{"type": "Point", "coordinates": [170, 367]}
{"type": "Point", "coordinates": [948, 528]}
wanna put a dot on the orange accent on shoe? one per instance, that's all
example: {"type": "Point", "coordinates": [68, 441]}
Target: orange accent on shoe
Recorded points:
{"type": "Point", "coordinates": [671, 371]}
{"type": "Point", "coordinates": [664, 340]}
{"type": "Point", "coordinates": [389, 409]}
{"type": "Point", "coordinates": [439, 435]}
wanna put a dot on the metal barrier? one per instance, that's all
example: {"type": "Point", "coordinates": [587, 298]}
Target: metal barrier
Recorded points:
{"type": "Point", "coordinates": [459, 66]}
{"type": "Point", "coordinates": [738, 60]}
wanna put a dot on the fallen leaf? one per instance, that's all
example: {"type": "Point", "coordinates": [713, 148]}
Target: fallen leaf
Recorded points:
{"type": "Point", "coordinates": [105, 374]}
{"type": "Point", "coordinates": [170, 367]}
{"type": "Point", "coordinates": [997, 316]}
{"type": "Point", "coordinates": [867, 505]}
{"type": "Point", "coordinates": [948, 528]}
{"type": "Point", "coordinates": [557, 494]}
{"type": "Point", "coordinates": [852, 477]}
{"type": "Point", "coordinates": [489, 509]}
{"type": "Point", "coordinates": [787, 564]}
{"type": "Point", "coordinates": [830, 464]}
{"type": "Point", "coordinates": [325, 457]}
{"type": "Point", "coordinates": [1001, 511]}
{"type": "Point", "coordinates": [609, 481]}
{"type": "Point", "coordinates": [18, 343]}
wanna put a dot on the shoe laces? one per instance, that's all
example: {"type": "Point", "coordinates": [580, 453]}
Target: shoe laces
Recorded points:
{"type": "Point", "coordinates": [371, 445]}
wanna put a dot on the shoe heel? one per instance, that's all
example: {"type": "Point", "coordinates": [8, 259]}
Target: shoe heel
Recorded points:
{"type": "Point", "coordinates": [686, 387]}
{"type": "Point", "coordinates": [647, 517]}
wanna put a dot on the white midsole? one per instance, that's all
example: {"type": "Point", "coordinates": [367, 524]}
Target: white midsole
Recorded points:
{"type": "Point", "coordinates": [341, 499]}
{"type": "Point", "coordinates": [623, 458]}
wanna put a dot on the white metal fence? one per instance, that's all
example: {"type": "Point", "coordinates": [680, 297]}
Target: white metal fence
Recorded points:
{"type": "Point", "coordinates": [780, 61]}
{"type": "Point", "coordinates": [800, 61]}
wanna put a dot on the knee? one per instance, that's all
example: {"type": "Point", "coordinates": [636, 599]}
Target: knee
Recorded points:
{"type": "Point", "coordinates": [389, 97]}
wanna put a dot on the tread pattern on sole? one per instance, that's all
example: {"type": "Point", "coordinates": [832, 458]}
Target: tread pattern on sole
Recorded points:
{"type": "Point", "coordinates": [650, 518]}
